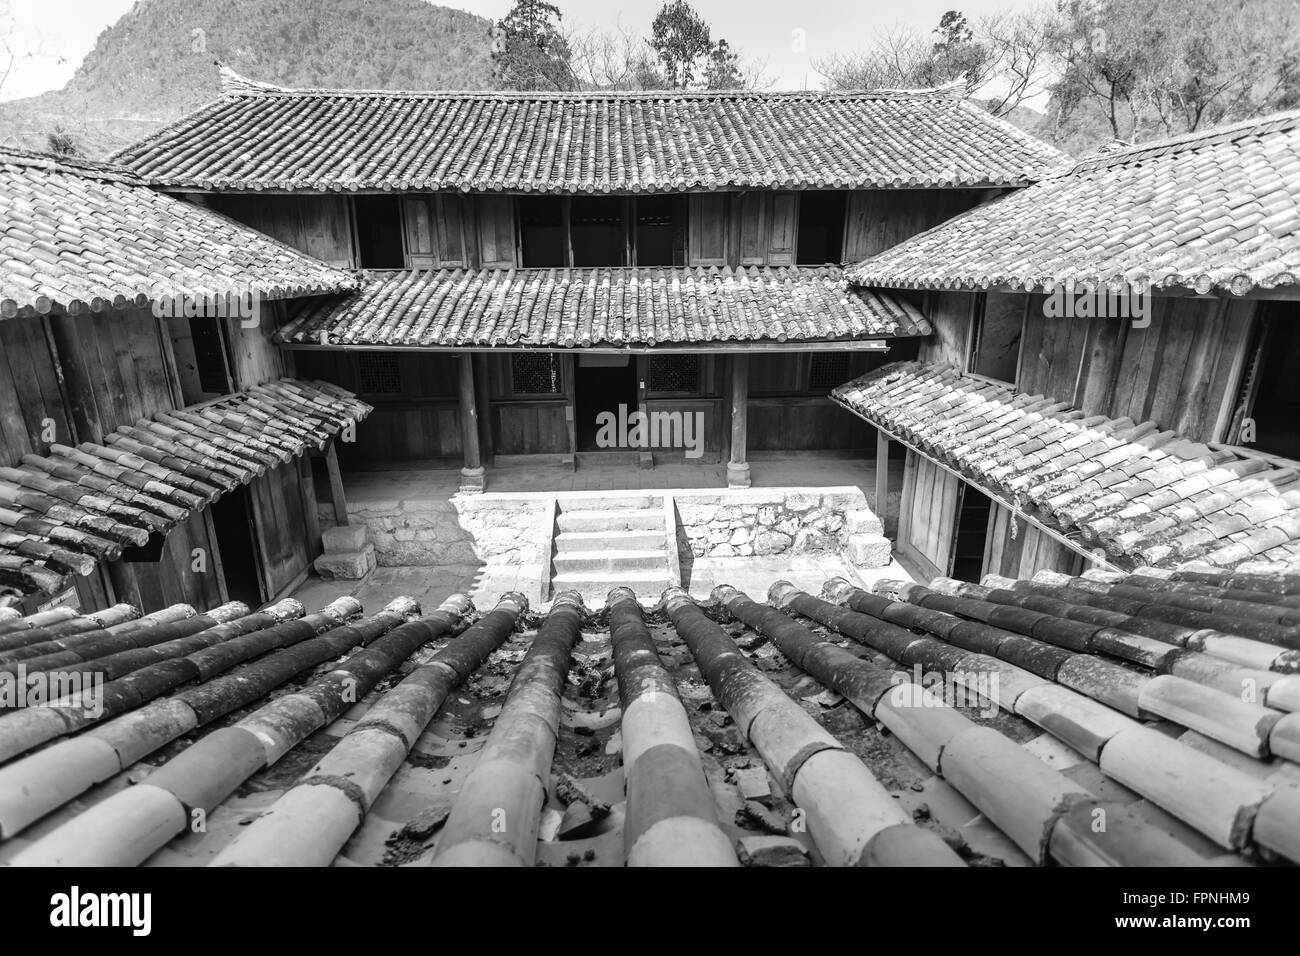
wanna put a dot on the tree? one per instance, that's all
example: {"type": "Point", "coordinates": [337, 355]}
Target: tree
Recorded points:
{"type": "Point", "coordinates": [680, 38]}
{"type": "Point", "coordinates": [61, 142]}
{"type": "Point", "coordinates": [529, 49]}
{"type": "Point", "coordinates": [722, 72]}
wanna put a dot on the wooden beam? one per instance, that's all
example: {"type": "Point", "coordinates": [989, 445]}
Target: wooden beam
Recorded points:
{"type": "Point", "coordinates": [472, 475]}
{"type": "Point", "coordinates": [882, 473]}
{"type": "Point", "coordinates": [738, 467]}
{"type": "Point", "coordinates": [336, 484]}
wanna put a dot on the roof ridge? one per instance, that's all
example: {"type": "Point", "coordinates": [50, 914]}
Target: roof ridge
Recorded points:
{"type": "Point", "coordinates": [73, 165]}
{"type": "Point", "coordinates": [234, 83]}
{"type": "Point", "coordinates": [1260, 124]}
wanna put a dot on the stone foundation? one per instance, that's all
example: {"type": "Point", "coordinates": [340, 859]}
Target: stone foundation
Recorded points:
{"type": "Point", "coordinates": [772, 521]}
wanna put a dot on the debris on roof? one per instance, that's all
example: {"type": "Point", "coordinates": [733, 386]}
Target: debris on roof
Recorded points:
{"type": "Point", "coordinates": [945, 725]}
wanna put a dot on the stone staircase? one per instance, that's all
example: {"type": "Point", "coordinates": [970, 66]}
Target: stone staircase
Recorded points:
{"type": "Point", "coordinates": [610, 542]}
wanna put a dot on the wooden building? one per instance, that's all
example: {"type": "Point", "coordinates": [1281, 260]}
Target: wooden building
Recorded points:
{"type": "Point", "coordinates": [1054, 419]}
{"type": "Point", "coordinates": [532, 260]}
{"type": "Point", "coordinates": [147, 433]}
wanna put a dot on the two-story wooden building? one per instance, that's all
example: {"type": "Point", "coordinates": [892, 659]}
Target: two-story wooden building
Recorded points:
{"type": "Point", "coordinates": [532, 260]}
{"type": "Point", "coordinates": [1114, 374]}
{"type": "Point", "coordinates": [151, 450]}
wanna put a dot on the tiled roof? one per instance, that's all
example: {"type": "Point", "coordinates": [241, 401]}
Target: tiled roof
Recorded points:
{"type": "Point", "coordinates": [78, 235]}
{"type": "Point", "coordinates": [653, 736]}
{"type": "Point", "coordinates": [62, 512]}
{"type": "Point", "coordinates": [1212, 210]}
{"type": "Point", "coordinates": [1148, 497]}
{"type": "Point", "coordinates": [576, 308]}
{"type": "Point", "coordinates": [264, 137]}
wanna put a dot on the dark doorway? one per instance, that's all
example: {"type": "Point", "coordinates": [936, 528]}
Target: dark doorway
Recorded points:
{"type": "Point", "coordinates": [603, 383]}
{"type": "Point", "coordinates": [379, 232]}
{"type": "Point", "coordinates": [1273, 392]}
{"type": "Point", "coordinates": [543, 236]}
{"type": "Point", "coordinates": [598, 231]}
{"type": "Point", "coordinates": [232, 519]}
{"type": "Point", "coordinates": [821, 227]}
{"type": "Point", "coordinates": [972, 532]}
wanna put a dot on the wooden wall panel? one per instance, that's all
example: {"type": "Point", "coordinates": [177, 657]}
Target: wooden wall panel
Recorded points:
{"type": "Point", "coordinates": [320, 226]}
{"type": "Point", "coordinates": [530, 428]}
{"type": "Point", "coordinates": [876, 219]}
{"type": "Point", "coordinates": [496, 231]}
{"type": "Point", "coordinates": [279, 516]}
{"type": "Point", "coordinates": [928, 530]}
{"type": "Point", "coordinates": [1016, 549]}
{"type": "Point", "coordinates": [711, 409]}
{"type": "Point", "coordinates": [804, 424]}
{"type": "Point", "coordinates": [708, 229]}
{"type": "Point", "coordinates": [30, 392]}
{"type": "Point", "coordinates": [950, 314]}
{"type": "Point", "coordinates": [172, 578]}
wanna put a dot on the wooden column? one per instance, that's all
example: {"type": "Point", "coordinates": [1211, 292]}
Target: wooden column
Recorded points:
{"type": "Point", "coordinates": [472, 477]}
{"type": "Point", "coordinates": [882, 473]}
{"type": "Point", "coordinates": [336, 485]}
{"type": "Point", "coordinates": [738, 467]}
{"type": "Point", "coordinates": [483, 395]}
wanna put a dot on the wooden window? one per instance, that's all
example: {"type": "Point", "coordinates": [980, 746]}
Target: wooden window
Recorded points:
{"type": "Point", "coordinates": [785, 225]}
{"type": "Point", "coordinates": [674, 374]}
{"type": "Point", "coordinates": [827, 370]}
{"type": "Point", "coordinates": [379, 232]}
{"type": "Point", "coordinates": [543, 236]}
{"type": "Point", "coordinates": [753, 229]}
{"type": "Point", "coordinates": [708, 229]}
{"type": "Point", "coordinates": [496, 232]}
{"type": "Point", "coordinates": [210, 358]}
{"type": "Point", "coordinates": [535, 373]}
{"type": "Point", "coordinates": [378, 373]}
{"type": "Point", "coordinates": [421, 252]}
{"type": "Point", "coordinates": [996, 325]}
{"type": "Point", "coordinates": [656, 226]}
{"type": "Point", "coordinates": [1268, 402]}
{"type": "Point", "coordinates": [821, 227]}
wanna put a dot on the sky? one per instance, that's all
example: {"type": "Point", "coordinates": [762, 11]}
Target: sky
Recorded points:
{"type": "Point", "coordinates": [54, 35]}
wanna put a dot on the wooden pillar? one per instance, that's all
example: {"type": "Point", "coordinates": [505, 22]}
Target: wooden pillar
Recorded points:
{"type": "Point", "coordinates": [472, 475]}
{"type": "Point", "coordinates": [882, 473]}
{"type": "Point", "coordinates": [738, 467]}
{"type": "Point", "coordinates": [483, 396]}
{"type": "Point", "coordinates": [336, 485]}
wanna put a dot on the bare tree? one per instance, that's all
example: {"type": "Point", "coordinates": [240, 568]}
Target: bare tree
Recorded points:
{"type": "Point", "coordinates": [622, 59]}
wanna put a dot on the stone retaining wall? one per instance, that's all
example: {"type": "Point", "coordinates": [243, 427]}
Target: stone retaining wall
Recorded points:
{"type": "Point", "coordinates": [768, 521]}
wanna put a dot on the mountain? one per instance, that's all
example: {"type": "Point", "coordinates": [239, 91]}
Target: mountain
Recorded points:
{"type": "Point", "coordinates": [156, 63]}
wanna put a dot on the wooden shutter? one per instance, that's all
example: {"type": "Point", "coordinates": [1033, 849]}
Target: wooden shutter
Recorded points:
{"type": "Point", "coordinates": [785, 226]}
{"type": "Point", "coordinates": [708, 229]}
{"type": "Point", "coordinates": [753, 219]}
{"type": "Point", "coordinates": [419, 233]}
{"type": "Point", "coordinates": [496, 234]}
{"type": "Point", "coordinates": [450, 238]}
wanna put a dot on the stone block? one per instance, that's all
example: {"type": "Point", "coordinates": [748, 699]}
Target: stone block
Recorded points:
{"type": "Point", "coordinates": [771, 542]}
{"type": "Point", "coordinates": [771, 851]}
{"type": "Point", "coordinates": [868, 550]}
{"type": "Point", "coordinates": [349, 566]}
{"type": "Point", "coordinates": [863, 521]}
{"type": "Point", "coordinates": [344, 539]}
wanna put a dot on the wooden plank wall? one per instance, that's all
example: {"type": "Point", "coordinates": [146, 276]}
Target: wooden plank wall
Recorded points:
{"type": "Point", "coordinates": [320, 226]}
{"type": "Point", "coordinates": [879, 218]}
{"type": "Point", "coordinates": [1016, 549]}
{"type": "Point", "coordinates": [31, 397]}
{"type": "Point", "coordinates": [421, 422]}
{"type": "Point", "coordinates": [1181, 372]}
{"type": "Point", "coordinates": [928, 523]}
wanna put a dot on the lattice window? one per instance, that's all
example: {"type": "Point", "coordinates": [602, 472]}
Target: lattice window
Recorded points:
{"type": "Point", "coordinates": [379, 374]}
{"type": "Point", "coordinates": [535, 373]}
{"type": "Point", "coordinates": [826, 370]}
{"type": "Point", "coordinates": [674, 373]}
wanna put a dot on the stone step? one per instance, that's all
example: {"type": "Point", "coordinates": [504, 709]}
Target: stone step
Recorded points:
{"type": "Point", "coordinates": [612, 520]}
{"type": "Point", "coordinates": [587, 562]}
{"type": "Point", "coordinates": [577, 501]}
{"type": "Point", "coordinates": [595, 588]}
{"type": "Point", "coordinates": [648, 540]}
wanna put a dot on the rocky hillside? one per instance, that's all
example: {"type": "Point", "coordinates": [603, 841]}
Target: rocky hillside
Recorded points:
{"type": "Point", "coordinates": [156, 63]}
